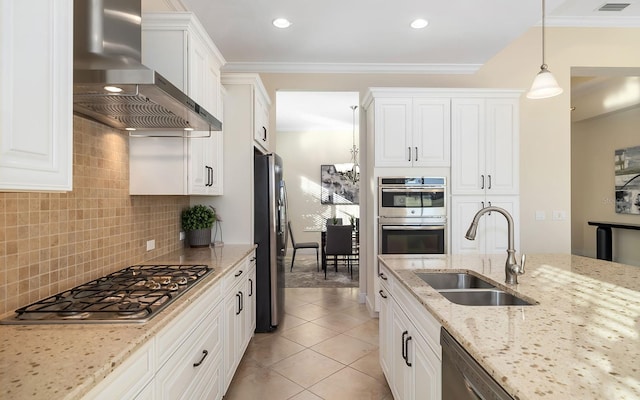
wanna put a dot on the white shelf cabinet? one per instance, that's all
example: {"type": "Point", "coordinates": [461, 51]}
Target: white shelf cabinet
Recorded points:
{"type": "Point", "coordinates": [485, 143]}
{"type": "Point", "coordinates": [412, 131]}
{"type": "Point", "coordinates": [36, 108]}
{"type": "Point", "coordinates": [410, 351]}
{"type": "Point", "coordinates": [177, 46]}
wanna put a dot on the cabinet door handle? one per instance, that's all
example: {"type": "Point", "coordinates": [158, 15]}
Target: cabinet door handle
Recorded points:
{"type": "Point", "coordinates": [482, 204]}
{"type": "Point", "coordinates": [409, 159]}
{"type": "Point", "coordinates": [406, 359]}
{"type": "Point", "coordinates": [416, 148]}
{"type": "Point", "coordinates": [482, 184]}
{"type": "Point", "coordinates": [238, 303]}
{"type": "Point", "coordinates": [205, 353]}
{"type": "Point", "coordinates": [404, 349]}
{"type": "Point", "coordinates": [264, 135]}
{"type": "Point", "coordinates": [250, 287]}
{"type": "Point", "coordinates": [241, 301]}
{"type": "Point", "coordinates": [384, 296]}
{"type": "Point", "coordinates": [382, 276]}
{"type": "Point", "coordinates": [211, 176]}
{"type": "Point", "coordinates": [238, 274]}
{"type": "Point", "coordinates": [489, 187]}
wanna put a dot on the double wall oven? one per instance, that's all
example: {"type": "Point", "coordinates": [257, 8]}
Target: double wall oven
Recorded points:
{"type": "Point", "coordinates": [412, 215]}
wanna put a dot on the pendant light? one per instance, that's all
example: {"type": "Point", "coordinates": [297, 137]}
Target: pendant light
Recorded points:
{"type": "Point", "coordinates": [354, 174]}
{"type": "Point", "coordinates": [544, 85]}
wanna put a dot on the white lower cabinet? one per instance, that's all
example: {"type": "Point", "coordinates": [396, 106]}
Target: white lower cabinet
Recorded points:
{"type": "Point", "coordinates": [410, 351]}
{"type": "Point", "coordinates": [239, 311]}
{"type": "Point", "coordinates": [196, 355]}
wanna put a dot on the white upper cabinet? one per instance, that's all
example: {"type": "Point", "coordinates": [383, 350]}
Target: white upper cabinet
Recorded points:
{"type": "Point", "coordinates": [36, 108]}
{"type": "Point", "coordinates": [177, 46]}
{"type": "Point", "coordinates": [261, 134]}
{"type": "Point", "coordinates": [485, 146]}
{"type": "Point", "coordinates": [411, 131]}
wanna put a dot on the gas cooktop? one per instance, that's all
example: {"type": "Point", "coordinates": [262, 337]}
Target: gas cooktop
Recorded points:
{"type": "Point", "coordinates": [133, 294]}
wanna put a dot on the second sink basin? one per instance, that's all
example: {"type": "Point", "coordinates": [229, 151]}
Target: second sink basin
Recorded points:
{"type": "Point", "coordinates": [454, 280]}
{"type": "Point", "coordinates": [484, 298]}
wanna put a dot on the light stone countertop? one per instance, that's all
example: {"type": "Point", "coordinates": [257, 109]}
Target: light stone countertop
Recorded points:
{"type": "Point", "coordinates": [582, 341]}
{"type": "Point", "coordinates": [66, 361]}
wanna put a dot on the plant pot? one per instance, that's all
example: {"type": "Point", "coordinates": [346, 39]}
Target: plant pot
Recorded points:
{"type": "Point", "coordinates": [199, 237]}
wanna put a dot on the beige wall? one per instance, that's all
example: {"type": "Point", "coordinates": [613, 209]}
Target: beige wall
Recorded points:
{"type": "Point", "coordinates": [545, 177]}
{"type": "Point", "coordinates": [593, 195]}
{"type": "Point", "coordinates": [50, 242]}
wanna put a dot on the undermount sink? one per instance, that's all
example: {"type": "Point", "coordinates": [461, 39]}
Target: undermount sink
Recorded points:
{"type": "Point", "coordinates": [470, 290]}
{"type": "Point", "coordinates": [492, 297]}
{"type": "Point", "coordinates": [454, 280]}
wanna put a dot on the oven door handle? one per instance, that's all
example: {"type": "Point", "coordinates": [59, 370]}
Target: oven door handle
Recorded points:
{"type": "Point", "coordinates": [410, 189]}
{"type": "Point", "coordinates": [413, 227]}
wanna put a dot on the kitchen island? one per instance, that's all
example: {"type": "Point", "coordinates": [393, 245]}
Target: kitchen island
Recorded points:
{"type": "Point", "coordinates": [582, 341]}
{"type": "Point", "coordinates": [67, 361]}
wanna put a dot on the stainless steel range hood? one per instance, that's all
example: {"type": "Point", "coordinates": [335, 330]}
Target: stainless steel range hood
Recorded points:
{"type": "Point", "coordinates": [107, 55]}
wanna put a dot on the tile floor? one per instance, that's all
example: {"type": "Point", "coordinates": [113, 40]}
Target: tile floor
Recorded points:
{"type": "Point", "coordinates": [327, 348]}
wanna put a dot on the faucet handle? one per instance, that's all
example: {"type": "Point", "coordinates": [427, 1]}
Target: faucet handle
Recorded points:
{"type": "Point", "coordinates": [522, 261]}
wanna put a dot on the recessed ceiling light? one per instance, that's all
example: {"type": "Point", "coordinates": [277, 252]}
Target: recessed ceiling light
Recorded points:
{"type": "Point", "coordinates": [281, 23]}
{"type": "Point", "coordinates": [129, 129]}
{"type": "Point", "coordinates": [419, 23]}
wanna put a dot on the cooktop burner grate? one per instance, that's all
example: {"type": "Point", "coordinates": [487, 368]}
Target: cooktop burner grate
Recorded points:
{"type": "Point", "coordinates": [133, 294]}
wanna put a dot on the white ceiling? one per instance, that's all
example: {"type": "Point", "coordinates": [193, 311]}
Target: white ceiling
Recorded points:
{"type": "Point", "coordinates": [374, 35]}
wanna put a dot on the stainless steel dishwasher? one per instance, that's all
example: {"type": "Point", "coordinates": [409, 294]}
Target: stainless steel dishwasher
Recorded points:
{"type": "Point", "coordinates": [462, 377]}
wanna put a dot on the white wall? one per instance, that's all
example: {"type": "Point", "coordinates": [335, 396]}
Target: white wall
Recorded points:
{"type": "Point", "coordinates": [302, 154]}
{"type": "Point", "coordinates": [593, 190]}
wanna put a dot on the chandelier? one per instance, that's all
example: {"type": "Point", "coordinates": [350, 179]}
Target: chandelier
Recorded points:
{"type": "Point", "coordinates": [354, 173]}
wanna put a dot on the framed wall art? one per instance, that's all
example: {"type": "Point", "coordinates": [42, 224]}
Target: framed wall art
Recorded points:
{"type": "Point", "coordinates": [336, 187]}
{"type": "Point", "coordinates": [627, 180]}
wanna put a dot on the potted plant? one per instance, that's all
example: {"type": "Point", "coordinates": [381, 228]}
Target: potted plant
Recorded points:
{"type": "Point", "coordinates": [197, 222]}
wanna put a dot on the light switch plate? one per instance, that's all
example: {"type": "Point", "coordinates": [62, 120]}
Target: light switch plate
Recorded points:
{"type": "Point", "coordinates": [151, 244]}
{"type": "Point", "coordinates": [541, 215]}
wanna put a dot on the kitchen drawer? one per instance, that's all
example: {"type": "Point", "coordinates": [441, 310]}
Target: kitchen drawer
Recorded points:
{"type": "Point", "coordinates": [129, 378]}
{"type": "Point", "coordinates": [427, 325]}
{"type": "Point", "coordinates": [386, 278]}
{"type": "Point", "coordinates": [168, 340]}
{"type": "Point", "coordinates": [180, 377]}
{"type": "Point", "coordinates": [237, 273]}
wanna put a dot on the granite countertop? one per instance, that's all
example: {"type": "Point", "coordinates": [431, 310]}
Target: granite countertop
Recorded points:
{"type": "Point", "coordinates": [582, 341]}
{"type": "Point", "coordinates": [66, 361]}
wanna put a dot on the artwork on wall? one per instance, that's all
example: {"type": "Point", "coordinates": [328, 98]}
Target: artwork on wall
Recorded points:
{"type": "Point", "coordinates": [336, 187]}
{"type": "Point", "coordinates": [627, 180]}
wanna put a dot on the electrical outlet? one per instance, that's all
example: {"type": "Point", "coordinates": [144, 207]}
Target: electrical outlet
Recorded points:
{"type": "Point", "coordinates": [181, 236]}
{"type": "Point", "coordinates": [559, 215]}
{"type": "Point", "coordinates": [541, 215]}
{"type": "Point", "coordinates": [151, 244]}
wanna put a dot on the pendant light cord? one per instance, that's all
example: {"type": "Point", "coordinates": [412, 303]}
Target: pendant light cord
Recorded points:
{"type": "Point", "coordinates": [544, 65]}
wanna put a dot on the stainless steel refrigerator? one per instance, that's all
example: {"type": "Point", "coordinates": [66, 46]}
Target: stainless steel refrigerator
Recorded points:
{"type": "Point", "coordinates": [270, 234]}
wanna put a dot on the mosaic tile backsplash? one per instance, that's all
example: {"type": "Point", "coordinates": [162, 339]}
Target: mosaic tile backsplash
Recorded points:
{"type": "Point", "coordinates": [50, 242]}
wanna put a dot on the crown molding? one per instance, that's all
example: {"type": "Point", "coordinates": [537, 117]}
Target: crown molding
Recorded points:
{"type": "Point", "coordinates": [593, 22]}
{"type": "Point", "coordinates": [351, 68]}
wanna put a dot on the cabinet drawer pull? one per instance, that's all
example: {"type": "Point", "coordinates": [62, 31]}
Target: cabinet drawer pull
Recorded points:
{"type": "Point", "coordinates": [238, 274]}
{"type": "Point", "coordinates": [382, 276]}
{"type": "Point", "coordinates": [250, 287]}
{"type": "Point", "coordinates": [205, 353]}
{"type": "Point", "coordinates": [406, 359]}
{"type": "Point", "coordinates": [404, 349]}
{"type": "Point", "coordinates": [384, 296]}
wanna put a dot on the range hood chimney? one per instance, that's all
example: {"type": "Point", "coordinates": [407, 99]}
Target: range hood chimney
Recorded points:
{"type": "Point", "coordinates": [111, 85]}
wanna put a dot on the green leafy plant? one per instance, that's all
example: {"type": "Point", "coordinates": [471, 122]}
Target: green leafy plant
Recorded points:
{"type": "Point", "coordinates": [198, 217]}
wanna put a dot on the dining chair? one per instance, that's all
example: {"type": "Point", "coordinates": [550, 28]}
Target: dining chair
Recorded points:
{"type": "Point", "coordinates": [339, 242]}
{"type": "Point", "coordinates": [303, 245]}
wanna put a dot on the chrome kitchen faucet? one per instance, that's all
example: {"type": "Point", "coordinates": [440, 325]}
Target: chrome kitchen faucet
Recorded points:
{"type": "Point", "coordinates": [511, 269]}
